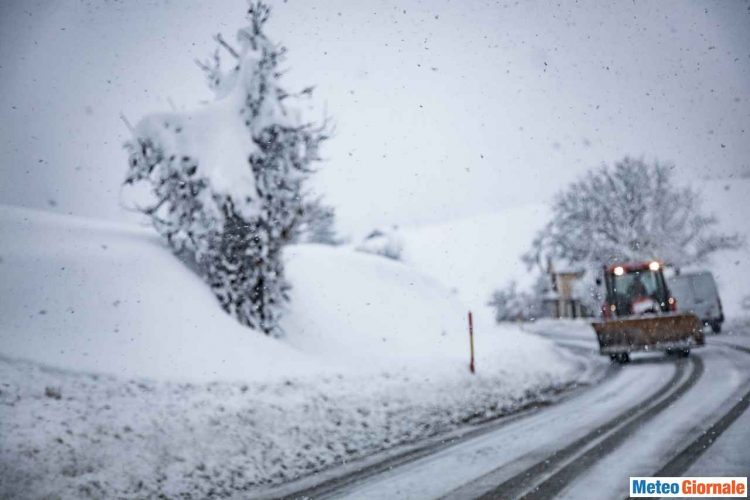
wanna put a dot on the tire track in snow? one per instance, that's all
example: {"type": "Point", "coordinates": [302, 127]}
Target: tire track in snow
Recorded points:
{"type": "Point", "coordinates": [683, 460]}
{"type": "Point", "coordinates": [568, 462]}
{"type": "Point", "coordinates": [736, 347]}
{"type": "Point", "coordinates": [688, 456]}
{"type": "Point", "coordinates": [332, 485]}
{"type": "Point", "coordinates": [564, 476]}
{"type": "Point", "coordinates": [434, 444]}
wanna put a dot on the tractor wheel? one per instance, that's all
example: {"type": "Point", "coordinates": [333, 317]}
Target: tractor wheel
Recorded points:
{"type": "Point", "coordinates": [716, 326]}
{"type": "Point", "coordinates": [621, 357]}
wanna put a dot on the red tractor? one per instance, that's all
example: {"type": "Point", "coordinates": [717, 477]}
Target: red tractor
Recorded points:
{"type": "Point", "coordinates": [639, 314]}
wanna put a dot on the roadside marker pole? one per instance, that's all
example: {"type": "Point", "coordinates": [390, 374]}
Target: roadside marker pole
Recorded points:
{"type": "Point", "coordinates": [471, 342]}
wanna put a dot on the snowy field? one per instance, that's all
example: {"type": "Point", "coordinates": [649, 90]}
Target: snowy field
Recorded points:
{"type": "Point", "coordinates": [122, 377]}
{"type": "Point", "coordinates": [476, 255]}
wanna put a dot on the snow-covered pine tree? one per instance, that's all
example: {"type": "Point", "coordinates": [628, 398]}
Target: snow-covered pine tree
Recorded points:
{"type": "Point", "coordinates": [225, 183]}
{"type": "Point", "coordinates": [383, 242]}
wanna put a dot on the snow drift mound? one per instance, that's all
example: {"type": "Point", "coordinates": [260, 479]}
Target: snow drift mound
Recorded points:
{"type": "Point", "coordinates": [98, 297]}
{"type": "Point", "coordinates": [357, 307]}
{"type": "Point", "coordinates": [368, 312]}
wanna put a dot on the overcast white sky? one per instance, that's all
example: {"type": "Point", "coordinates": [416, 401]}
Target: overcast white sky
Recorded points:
{"type": "Point", "coordinates": [442, 108]}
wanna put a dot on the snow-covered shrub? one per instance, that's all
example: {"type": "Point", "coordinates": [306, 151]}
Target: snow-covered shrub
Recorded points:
{"type": "Point", "coordinates": [385, 243]}
{"type": "Point", "coordinates": [745, 304]}
{"type": "Point", "coordinates": [318, 223]}
{"type": "Point", "coordinates": [224, 184]}
{"type": "Point", "coordinates": [510, 304]}
{"type": "Point", "coordinates": [632, 211]}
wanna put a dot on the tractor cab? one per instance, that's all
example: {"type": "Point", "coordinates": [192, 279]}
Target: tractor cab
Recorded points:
{"type": "Point", "coordinates": [636, 288]}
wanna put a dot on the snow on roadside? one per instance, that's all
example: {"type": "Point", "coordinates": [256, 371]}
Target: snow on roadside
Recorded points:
{"type": "Point", "coordinates": [78, 435]}
{"type": "Point", "coordinates": [132, 382]}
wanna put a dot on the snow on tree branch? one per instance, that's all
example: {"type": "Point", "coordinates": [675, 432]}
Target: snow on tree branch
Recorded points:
{"type": "Point", "coordinates": [224, 184]}
{"type": "Point", "coordinates": [630, 211]}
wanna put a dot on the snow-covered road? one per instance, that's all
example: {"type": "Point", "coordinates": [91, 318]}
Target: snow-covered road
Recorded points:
{"type": "Point", "coordinates": [657, 415]}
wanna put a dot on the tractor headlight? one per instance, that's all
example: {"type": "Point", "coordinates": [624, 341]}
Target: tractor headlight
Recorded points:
{"type": "Point", "coordinates": [619, 271]}
{"type": "Point", "coordinates": [654, 266]}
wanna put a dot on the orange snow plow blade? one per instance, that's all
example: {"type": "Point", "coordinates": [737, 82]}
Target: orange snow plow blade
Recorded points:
{"type": "Point", "coordinates": [646, 333]}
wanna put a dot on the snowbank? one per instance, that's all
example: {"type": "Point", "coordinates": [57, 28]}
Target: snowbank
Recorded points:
{"type": "Point", "coordinates": [104, 437]}
{"type": "Point", "coordinates": [354, 310]}
{"type": "Point", "coordinates": [95, 297]}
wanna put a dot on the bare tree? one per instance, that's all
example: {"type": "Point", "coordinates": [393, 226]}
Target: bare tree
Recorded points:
{"type": "Point", "coordinates": [630, 211]}
{"type": "Point", "coordinates": [510, 304]}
